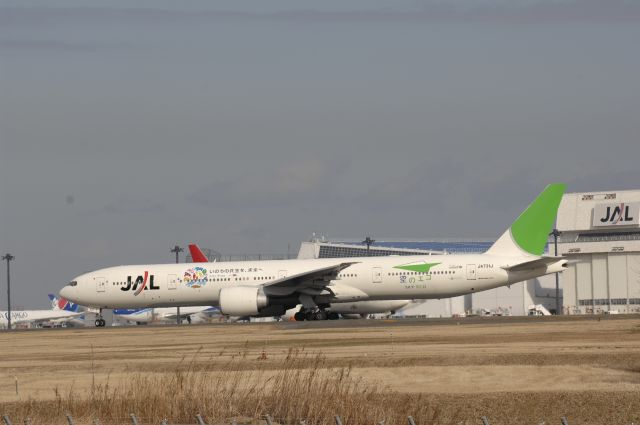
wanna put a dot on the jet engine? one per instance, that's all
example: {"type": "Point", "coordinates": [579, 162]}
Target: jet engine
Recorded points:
{"type": "Point", "coordinates": [242, 300]}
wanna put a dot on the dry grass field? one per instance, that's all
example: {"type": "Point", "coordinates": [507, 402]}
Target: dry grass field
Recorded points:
{"type": "Point", "coordinates": [449, 372]}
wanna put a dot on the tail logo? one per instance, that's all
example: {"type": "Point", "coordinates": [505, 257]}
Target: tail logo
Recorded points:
{"type": "Point", "coordinates": [59, 303]}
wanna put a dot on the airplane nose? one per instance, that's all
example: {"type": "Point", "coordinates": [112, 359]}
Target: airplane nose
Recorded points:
{"type": "Point", "coordinates": [68, 293]}
{"type": "Point", "coordinates": [64, 292]}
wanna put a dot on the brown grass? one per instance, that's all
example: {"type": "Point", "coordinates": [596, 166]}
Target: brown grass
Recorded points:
{"type": "Point", "coordinates": [302, 386]}
{"type": "Point", "coordinates": [514, 373]}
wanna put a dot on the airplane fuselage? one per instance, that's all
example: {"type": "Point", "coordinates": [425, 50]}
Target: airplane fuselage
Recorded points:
{"type": "Point", "coordinates": [27, 316]}
{"type": "Point", "coordinates": [369, 278]}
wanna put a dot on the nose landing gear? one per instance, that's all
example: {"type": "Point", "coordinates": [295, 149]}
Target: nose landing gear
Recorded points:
{"type": "Point", "coordinates": [100, 323]}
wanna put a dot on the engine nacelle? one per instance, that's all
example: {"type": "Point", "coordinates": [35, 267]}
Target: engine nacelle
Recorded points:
{"type": "Point", "coordinates": [242, 300]}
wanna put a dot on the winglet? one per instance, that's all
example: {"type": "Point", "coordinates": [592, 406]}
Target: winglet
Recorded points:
{"type": "Point", "coordinates": [528, 235]}
{"type": "Point", "coordinates": [197, 255]}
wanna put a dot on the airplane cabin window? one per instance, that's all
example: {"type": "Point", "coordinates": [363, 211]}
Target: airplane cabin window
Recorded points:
{"type": "Point", "coordinates": [73, 283]}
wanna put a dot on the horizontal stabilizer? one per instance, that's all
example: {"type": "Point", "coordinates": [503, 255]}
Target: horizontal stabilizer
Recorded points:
{"type": "Point", "coordinates": [534, 264]}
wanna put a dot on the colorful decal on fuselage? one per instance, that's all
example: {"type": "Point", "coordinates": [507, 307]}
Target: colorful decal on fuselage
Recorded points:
{"type": "Point", "coordinates": [195, 277]}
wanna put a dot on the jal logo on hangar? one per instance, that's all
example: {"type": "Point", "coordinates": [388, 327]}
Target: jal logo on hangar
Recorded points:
{"type": "Point", "coordinates": [621, 214]}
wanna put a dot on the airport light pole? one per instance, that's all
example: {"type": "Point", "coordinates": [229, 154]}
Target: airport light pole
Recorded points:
{"type": "Point", "coordinates": [368, 241]}
{"type": "Point", "coordinates": [555, 233]}
{"type": "Point", "coordinates": [8, 258]}
{"type": "Point", "coordinates": [177, 250]}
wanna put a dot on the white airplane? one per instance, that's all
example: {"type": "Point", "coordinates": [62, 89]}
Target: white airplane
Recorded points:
{"type": "Point", "coordinates": [355, 310]}
{"type": "Point", "coordinates": [163, 314]}
{"type": "Point", "coordinates": [61, 310]}
{"type": "Point", "coordinates": [269, 288]}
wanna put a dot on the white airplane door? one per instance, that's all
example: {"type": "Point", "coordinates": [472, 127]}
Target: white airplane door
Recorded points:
{"type": "Point", "coordinates": [172, 280]}
{"type": "Point", "coordinates": [377, 275]}
{"type": "Point", "coordinates": [101, 284]}
{"type": "Point", "coordinates": [471, 272]}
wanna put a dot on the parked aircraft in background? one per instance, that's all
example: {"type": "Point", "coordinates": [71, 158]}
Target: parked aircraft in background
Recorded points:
{"type": "Point", "coordinates": [270, 288]}
{"type": "Point", "coordinates": [61, 311]}
{"type": "Point", "coordinates": [196, 254]}
{"type": "Point", "coordinates": [355, 310]}
{"type": "Point", "coordinates": [165, 314]}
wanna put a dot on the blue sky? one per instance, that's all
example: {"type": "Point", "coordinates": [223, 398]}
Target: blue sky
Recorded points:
{"type": "Point", "coordinates": [127, 127]}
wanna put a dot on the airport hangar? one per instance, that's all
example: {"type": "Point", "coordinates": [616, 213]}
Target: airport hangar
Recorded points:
{"type": "Point", "coordinates": [599, 234]}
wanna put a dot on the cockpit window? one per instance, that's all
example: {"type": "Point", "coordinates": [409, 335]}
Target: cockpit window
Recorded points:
{"type": "Point", "coordinates": [73, 283]}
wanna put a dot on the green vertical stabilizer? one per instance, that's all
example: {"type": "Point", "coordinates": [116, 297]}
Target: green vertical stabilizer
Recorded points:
{"type": "Point", "coordinates": [531, 230]}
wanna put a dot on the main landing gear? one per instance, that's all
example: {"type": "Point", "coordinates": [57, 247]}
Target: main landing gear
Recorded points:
{"type": "Point", "coordinates": [100, 323]}
{"type": "Point", "coordinates": [318, 314]}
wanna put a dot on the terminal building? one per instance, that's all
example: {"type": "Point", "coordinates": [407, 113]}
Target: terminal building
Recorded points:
{"type": "Point", "coordinates": [599, 234]}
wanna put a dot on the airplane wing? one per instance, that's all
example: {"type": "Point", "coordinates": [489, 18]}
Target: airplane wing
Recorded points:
{"type": "Point", "coordinates": [311, 282]}
{"type": "Point", "coordinates": [533, 264]}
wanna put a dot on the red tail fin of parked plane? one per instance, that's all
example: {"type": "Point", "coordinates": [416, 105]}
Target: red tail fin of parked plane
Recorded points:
{"type": "Point", "coordinates": [197, 255]}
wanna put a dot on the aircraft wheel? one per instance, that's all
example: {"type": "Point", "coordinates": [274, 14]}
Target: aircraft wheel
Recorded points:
{"type": "Point", "coordinates": [320, 315]}
{"type": "Point", "coordinates": [299, 316]}
{"type": "Point", "coordinates": [98, 323]}
{"type": "Point", "coordinates": [309, 315]}
{"type": "Point", "coordinates": [333, 316]}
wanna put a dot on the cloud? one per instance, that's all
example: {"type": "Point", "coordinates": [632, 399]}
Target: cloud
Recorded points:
{"type": "Point", "coordinates": [604, 180]}
{"type": "Point", "coordinates": [127, 207]}
{"type": "Point", "coordinates": [300, 183]}
{"type": "Point", "coordinates": [55, 46]}
{"type": "Point", "coordinates": [426, 11]}
{"type": "Point", "coordinates": [545, 10]}
{"type": "Point", "coordinates": [449, 183]}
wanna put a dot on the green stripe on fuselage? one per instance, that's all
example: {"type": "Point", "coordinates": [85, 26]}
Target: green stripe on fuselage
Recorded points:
{"type": "Point", "coordinates": [420, 268]}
